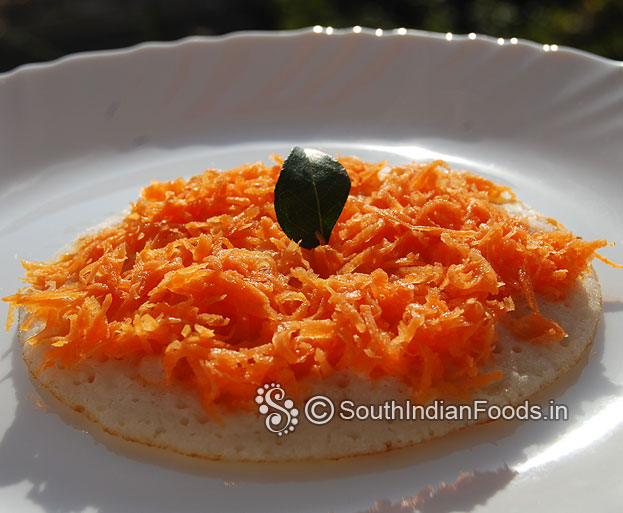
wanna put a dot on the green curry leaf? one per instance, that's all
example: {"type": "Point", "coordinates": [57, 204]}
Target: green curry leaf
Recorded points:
{"type": "Point", "coordinates": [309, 196]}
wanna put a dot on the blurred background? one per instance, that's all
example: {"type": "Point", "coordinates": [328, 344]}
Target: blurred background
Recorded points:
{"type": "Point", "coordinates": [40, 30]}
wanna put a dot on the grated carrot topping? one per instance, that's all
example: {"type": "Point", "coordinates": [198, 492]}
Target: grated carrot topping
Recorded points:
{"type": "Point", "coordinates": [422, 264]}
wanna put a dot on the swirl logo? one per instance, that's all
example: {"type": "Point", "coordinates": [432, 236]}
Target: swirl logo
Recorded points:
{"type": "Point", "coordinates": [281, 415]}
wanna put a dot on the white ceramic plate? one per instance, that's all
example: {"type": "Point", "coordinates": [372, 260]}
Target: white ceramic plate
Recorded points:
{"type": "Point", "coordinates": [79, 137]}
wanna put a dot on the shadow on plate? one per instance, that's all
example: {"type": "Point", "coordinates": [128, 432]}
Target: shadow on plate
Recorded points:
{"type": "Point", "coordinates": [469, 490]}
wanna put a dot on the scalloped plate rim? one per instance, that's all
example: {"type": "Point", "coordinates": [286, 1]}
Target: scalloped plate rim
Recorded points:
{"type": "Point", "coordinates": [244, 34]}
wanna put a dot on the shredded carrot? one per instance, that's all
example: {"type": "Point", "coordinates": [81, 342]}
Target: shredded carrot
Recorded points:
{"type": "Point", "coordinates": [608, 261]}
{"type": "Point", "coordinates": [536, 328]}
{"type": "Point", "coordinates": [422, 264]}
